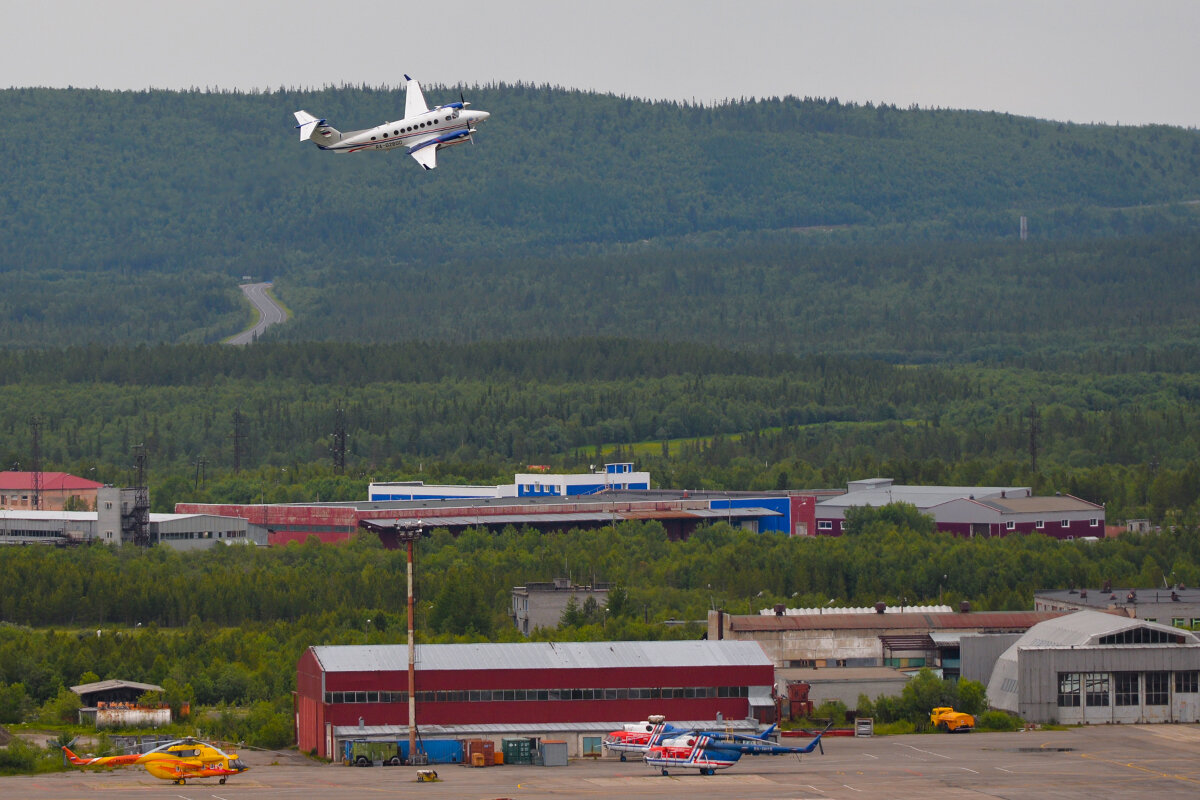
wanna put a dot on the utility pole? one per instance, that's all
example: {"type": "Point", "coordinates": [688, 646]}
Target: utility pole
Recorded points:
{"type": "Point", "coordinates": [1035, 428]}
{"type": "Point", "coordinates": [199, 464]}
{"type": "Point", "coordinates": [35, 429]}
{"type": "Point", "coordinates": [239, 439]}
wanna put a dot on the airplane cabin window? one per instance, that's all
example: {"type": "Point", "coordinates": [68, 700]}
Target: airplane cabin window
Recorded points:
{"type": "Point", "coordinates": [385, 134]}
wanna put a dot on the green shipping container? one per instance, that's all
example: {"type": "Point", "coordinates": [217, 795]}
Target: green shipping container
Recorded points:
{"type": "Point", "coordinates": [516, 751]}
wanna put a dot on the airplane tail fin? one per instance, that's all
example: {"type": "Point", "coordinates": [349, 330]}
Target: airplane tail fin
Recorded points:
{"type": "Point", "coordinates": [316, 130]}
{"type": "Point", "coordinates": [74, 759]}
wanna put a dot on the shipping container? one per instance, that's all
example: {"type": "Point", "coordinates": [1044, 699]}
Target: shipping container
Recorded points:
{"type": "Point", "coordinates": [517, 751]}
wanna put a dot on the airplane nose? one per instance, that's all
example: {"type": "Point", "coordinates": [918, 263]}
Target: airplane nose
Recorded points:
{"type": "Point", "coordinates": [483, 115]}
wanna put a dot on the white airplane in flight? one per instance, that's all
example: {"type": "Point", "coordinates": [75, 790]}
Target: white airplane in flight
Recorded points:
{"type": "Point", "coordinates": [421, 133]}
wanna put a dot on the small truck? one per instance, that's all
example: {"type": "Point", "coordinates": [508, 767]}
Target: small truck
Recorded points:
{"type": "Point", "coordinates": [947, 719]}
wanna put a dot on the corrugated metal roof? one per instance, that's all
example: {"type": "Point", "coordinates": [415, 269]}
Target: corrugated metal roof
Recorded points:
{"type": "Point", "coordinates": [48, 516]}
{"type": "Point", "coordinates": [103, 686]}
{"type": "Point", "coordinates": [919, 496]}
{"type": "Point", "coordinates": [815, 675]}
{"type": "Point", "coordinates": [541, 655]}
{"type": "Point", "coordinates": [975, 620]}
{"type": "Point", "coordinates": [386, 732]}
{"type": "Point", "coordinates": [1086, 627]}
{"type": "Point", "coordinates": [1045, 505]}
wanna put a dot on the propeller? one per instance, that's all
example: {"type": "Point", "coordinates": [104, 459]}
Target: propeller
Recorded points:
{"type": "Point", "coordinates": [470, 130]}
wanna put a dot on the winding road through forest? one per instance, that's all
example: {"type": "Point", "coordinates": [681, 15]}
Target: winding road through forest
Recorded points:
{"type": "Point", "coordinates": [269, 312]}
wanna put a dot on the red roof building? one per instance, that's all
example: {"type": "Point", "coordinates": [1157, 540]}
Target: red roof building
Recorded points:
{"type": "Point", "coordinates": [55, 491]}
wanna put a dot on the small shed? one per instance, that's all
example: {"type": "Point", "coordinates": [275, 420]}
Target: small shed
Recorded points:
{"type": "Point", "coordinates": [554, 752]}
{"type": "Point", "coordinates": [92, 694]}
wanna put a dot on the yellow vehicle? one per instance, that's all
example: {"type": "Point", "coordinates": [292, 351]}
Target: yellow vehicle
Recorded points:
{"type": "Point", "coordinates": [945, 718]}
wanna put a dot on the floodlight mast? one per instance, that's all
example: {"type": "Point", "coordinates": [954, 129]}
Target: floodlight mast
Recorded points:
{"type": "Point", "coordinates": [409, 535]}
{"type": "Point", "coordinates": [405, 531]}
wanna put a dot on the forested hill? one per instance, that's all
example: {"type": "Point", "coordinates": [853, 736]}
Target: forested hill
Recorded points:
{"type": "Point", "coordinates": [127, 215]}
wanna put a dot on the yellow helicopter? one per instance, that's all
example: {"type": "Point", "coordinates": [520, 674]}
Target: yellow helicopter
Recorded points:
{"type": "Point", "coordinates": [175, 761]}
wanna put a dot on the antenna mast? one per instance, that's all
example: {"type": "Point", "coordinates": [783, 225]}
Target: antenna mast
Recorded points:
{"type": "Point", "coordinates": [35, 428]}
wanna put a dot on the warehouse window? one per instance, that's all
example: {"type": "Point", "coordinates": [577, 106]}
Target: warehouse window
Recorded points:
{"type": "Point", "coordinates": [1141, 636]}
{"type": "Point", "coordinates": [1068, 690]}
{"type": "Point", "coordinates": [516, 695]}
{"type": "Point", "coordinates": [1186, 682]}
{"type": "Point", "coordinates": [1097, 688]}
{"type": "Point", "coordinates": [1125, 686]}
{"type": "Point", "coordinates": [1157, 688]}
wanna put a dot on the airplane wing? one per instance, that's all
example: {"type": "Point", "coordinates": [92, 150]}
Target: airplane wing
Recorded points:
{"type": "Point", "coordinates": [414, 101]}
{"type": "Point", "coordinates": [426, 157]}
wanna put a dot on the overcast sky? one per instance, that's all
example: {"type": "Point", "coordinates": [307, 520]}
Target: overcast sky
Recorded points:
{"type": "Point", "coordinates": [1112, 61]}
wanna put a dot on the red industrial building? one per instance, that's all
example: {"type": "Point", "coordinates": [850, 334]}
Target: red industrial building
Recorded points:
{"type": "Point", "coordinates": [522, 686]}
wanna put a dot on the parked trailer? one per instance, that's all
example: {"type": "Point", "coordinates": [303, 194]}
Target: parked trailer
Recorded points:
{"type": "Point", "coordinates": [367, 753]}
{"type": "Point", "coordinates": [363, 753]}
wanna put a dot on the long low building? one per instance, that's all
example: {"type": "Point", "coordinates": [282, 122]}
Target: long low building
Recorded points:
{"type": "Point", "coordinates": [971, 510]}
{"type": "Point", "coordinates": [679, 512]}
{"type": "Point", "coordinates": [905, 639]}
{"type": "Point", "coordinates": [522, 687]}
{"type": "Point", "coordinates": [177, 531]}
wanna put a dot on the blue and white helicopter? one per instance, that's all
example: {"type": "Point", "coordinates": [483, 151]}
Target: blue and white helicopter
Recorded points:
{"type": "Point", "coordinates": [700, 750]}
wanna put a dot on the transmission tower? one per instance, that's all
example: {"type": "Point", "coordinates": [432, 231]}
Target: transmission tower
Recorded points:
{"type": "Point", "coordinates": [239, 440]}
{"type": "Point", "coordinates": [35, 457]}
{"type": "Point", "coordinates": [139, 515]}
{"type": "Point", "coordinates": [338, 448]}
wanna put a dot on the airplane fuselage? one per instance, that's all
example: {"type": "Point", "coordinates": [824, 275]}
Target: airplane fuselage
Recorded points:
{"type": "Point", "coordinates": [447, 126]}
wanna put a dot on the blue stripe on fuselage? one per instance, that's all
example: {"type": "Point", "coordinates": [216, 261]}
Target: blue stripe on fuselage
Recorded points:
{"type": "Point", "coordinates": [398, 138]}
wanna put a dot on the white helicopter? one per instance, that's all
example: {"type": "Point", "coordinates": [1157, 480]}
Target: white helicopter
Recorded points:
{"type": "Point", "coordinates": [421, 133]}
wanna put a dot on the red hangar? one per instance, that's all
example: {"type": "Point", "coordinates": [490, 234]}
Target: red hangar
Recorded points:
{"type": "Point", "coordinates": [544, 688]}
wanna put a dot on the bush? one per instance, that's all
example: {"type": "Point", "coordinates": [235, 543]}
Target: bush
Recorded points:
{"type": "Point", "coordinates": [63, 708]}
{"type": "Point", "coordinates": [834, 710]}
{"type": "Point", "coordinates": [997, 721]}
{"type": "Point", "coordinates": [14, 703]}
{"type": "Point", "coordinates": [898, 728]}
{"type": "Point", "coordinates": [22, 758]}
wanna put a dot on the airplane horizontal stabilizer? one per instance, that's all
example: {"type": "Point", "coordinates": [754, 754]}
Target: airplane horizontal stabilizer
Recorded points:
{"type": "Point", "coordinates": [314, 130]}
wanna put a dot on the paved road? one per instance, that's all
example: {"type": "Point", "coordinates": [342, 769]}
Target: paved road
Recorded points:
{"type": "Point", "coordinates": [1097, 763]}
{"type": "Point", "coordinates": [269, 312]}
